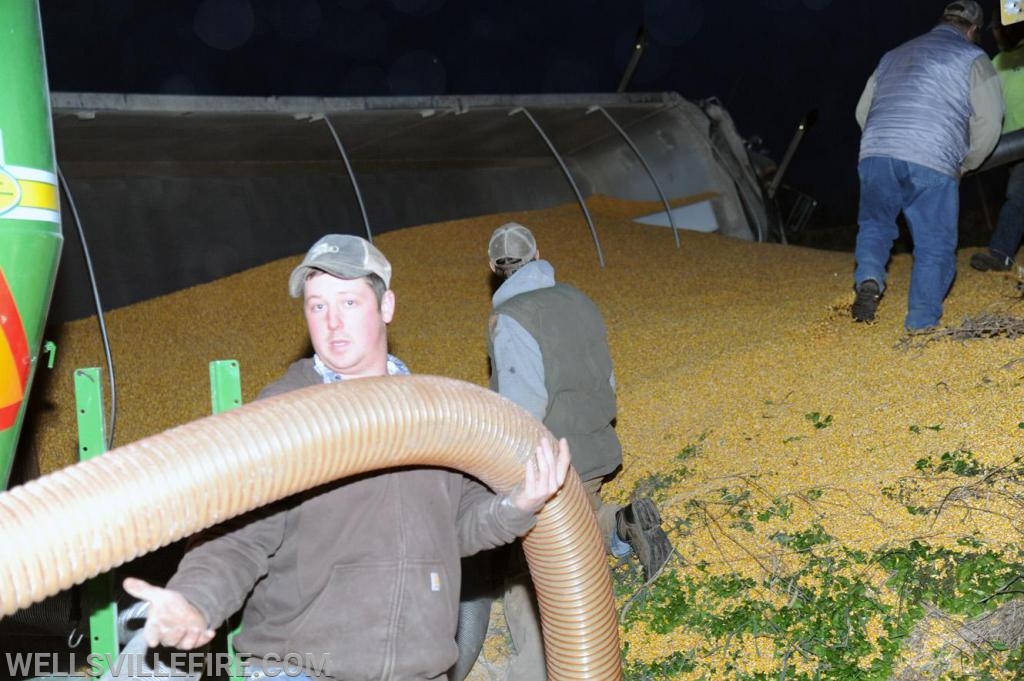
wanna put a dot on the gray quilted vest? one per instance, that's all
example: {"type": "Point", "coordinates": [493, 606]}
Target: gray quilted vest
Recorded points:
{"type": "Point", "coordinates": [922, 104]}
{"type": "Point", "coordinates": [577, 371]}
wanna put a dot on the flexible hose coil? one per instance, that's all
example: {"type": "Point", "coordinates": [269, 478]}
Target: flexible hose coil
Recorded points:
{"type": "Point", "coordinates": [83, 520]}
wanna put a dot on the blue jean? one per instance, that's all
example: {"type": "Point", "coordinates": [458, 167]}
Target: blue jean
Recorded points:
{"type": "Point", "coordinates": [930, 201]}
{"type": "Point", "coordinates": [1010, 224]}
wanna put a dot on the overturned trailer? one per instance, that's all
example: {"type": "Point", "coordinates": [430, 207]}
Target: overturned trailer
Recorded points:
{"type": "Point", "coordinates": [174, 191]}
{"type": "Point", "coordinates": [167, 192]}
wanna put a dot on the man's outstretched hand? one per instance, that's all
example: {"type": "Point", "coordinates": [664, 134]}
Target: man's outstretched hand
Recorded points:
{"type": "Point", "coordinates": [545, 475]}
{"type": "Point", "coordinates": [170, 620]}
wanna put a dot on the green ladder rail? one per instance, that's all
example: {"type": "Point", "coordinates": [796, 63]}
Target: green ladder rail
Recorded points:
{"type": "Point", "coordinates": [99, 591]}
{"type": "Point", "coordinates": [225, 394]}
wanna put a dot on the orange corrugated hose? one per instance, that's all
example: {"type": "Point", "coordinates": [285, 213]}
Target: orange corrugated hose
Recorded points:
{"type": "Point", "coordinates": [83, 520]}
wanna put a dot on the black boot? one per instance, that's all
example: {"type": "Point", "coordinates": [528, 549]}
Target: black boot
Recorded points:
{"type": "Point", "coordinates": [639, 524]}
{"type": "Point", "coordinates": [868, 295]}
{"type": "Point", "coordinates": [990, 261]}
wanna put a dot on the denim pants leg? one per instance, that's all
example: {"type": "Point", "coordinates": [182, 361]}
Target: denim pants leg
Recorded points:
{"type": "Point", "coordinates": [606, 518]}
{"type": "Point", "coordinates": [932, 208]}
{"type": "Point", "coordinates": [1010, 224]}
{"type": "Point", "coordinates": [881, 200]}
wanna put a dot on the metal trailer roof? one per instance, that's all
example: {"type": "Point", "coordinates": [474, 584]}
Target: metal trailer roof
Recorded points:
{"type": "Point", "coordinates": [179, 190]}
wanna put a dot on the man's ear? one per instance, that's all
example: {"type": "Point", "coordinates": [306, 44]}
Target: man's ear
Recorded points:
{"type": "Point", "coordinates": [387, 306]}
{"type": "Point", "coordinates": [493, 267]}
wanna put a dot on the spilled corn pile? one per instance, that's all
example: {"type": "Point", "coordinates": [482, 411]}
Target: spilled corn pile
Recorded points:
{"type": "Point", "coordinates": [844, 500]}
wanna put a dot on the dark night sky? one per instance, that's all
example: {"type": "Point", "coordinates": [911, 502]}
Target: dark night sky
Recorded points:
{"type": "Point", "coordinates": [768, 61]}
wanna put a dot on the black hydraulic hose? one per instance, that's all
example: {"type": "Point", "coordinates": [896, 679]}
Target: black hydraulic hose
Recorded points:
{"type": "Point", "coordinates": [1009, 149]}
{"type": "Point", "coordinates": [112, 421]}
{"type": "Point", "coordinates": [474, 620]}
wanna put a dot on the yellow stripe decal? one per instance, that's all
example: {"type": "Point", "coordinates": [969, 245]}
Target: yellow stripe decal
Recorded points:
{"type": "Point", "coordinates": [38, 195]}
{"type": "Point", "coordinates": [28, 194]}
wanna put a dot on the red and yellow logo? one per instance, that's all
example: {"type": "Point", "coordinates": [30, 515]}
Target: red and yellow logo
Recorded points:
{"type": "Point", "coordinates": [14, 359]}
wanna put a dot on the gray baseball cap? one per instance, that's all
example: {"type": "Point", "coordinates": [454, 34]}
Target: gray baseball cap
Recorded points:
{"type": "Point", "coordinates": [512, 242]}
{"type": "Point", "coordinates": [344, 256]}
{"type": "Point", "coordinates": [968, 10]}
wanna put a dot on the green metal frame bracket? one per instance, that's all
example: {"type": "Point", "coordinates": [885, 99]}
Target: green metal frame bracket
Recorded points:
{"type": "Point", "coordinates": [225, 385]}
{"type": "Point", "coordinates": [225, 394]}
{"type": "Point", "coordinates": [99, 591]}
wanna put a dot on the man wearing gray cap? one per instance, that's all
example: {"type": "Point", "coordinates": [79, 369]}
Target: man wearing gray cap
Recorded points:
{"type": "Point", "coordinates": [549, 354]}
{"type": "Point", "coordinates": [361, 575]}
{"type": "Point", "coordinates": [931, 111]}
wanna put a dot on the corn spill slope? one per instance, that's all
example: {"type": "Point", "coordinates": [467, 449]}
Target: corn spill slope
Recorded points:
{"type": "Point", "coordinates": [738, 366]}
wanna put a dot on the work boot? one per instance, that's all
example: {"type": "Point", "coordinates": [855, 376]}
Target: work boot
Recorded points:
{"type": "Point", "coordinates": [988, 261]}
{"type": "Point", "coordinates": [639, 524]}
{"type": "Point", "coordinates": [868, 295]}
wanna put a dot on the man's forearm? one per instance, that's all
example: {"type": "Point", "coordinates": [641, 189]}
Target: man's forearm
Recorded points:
{"type": "Point", "coordinates": [487, 520]}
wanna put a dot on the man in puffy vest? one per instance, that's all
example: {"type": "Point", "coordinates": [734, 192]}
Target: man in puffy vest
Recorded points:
{"type": "Point", "coordinates": [1009, 64]}
{"type": "Point", "coordinates": [549, 354]}
{"type": "Point", "coordinates": [931, 111]}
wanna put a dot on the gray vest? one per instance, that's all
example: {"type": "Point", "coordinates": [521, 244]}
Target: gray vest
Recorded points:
{"type": "Point", "coordinates": [577, 372]}
{"type": "Point", "coordinates": [922, 103]}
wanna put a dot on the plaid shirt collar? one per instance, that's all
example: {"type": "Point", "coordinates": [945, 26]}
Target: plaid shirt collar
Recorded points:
{"type": "Point", "coordinates": [396, 367]}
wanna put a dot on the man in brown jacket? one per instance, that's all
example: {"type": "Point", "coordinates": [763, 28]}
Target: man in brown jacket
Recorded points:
{"type": "Point", "coordinates": [362, 574]}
